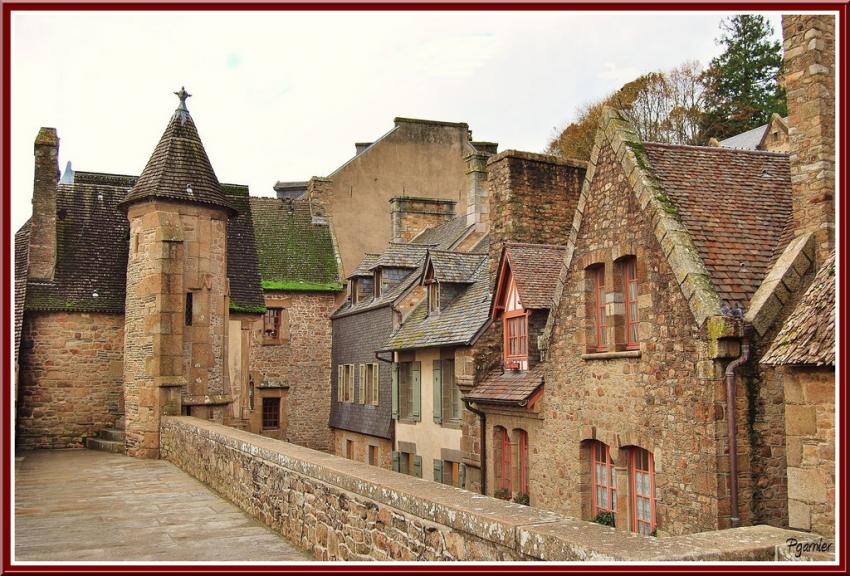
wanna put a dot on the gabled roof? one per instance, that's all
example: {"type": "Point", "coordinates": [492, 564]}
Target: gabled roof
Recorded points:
{"type": "Point", "coordinates": [754, 139]}
{"type": "Point", "coordinates": [293, 252]}
{"type": "Point", "coordinates": [808, 335]}
{"type": "Point", "coordinates": [245, 292]}
{"type": "Point", "coordinates": [458, 324]}
{"type": "Point", "coordinates": [507, 387]}
{"type": "Point", "coordinates": [454, 267]}
{"type": "Point", "coordinates": [444, 236]}
{"type": "Point", "coordinates": [365, 266]}
{"type": "Point", "coordinates": [735, 204]}
{"type": "Point", "coordinates": [179, 168]}
{"type": "Point", "coordinates": [535, 269]}
{"type": "Point", "coordinates": [401, 255]}
{"type": "Point", "coordinates": [92, 244]}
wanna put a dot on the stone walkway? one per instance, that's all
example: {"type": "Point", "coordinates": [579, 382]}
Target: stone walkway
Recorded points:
{"type": "Point", "coordinates": [86, 505]}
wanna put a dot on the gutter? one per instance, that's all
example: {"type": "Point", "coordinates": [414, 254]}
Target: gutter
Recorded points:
{"type": "Point", "coordinates": [732, 430]}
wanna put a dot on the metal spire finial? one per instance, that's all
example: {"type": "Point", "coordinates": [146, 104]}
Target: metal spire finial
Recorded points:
{"type": "Point", "coordinates": [183, 95]}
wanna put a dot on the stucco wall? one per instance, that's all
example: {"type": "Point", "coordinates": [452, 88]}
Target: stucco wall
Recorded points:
{"type": "Point", "coordinates": [70, 379]}
{"type": "Point", "coordinates": [340, 509]}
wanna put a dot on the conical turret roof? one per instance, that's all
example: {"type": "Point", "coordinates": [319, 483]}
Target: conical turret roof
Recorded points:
{"type": "Point", "coordinates": [179, 168]}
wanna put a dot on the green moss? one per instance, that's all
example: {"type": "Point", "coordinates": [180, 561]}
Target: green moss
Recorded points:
{"type": "Point", "coordinates": [301, 286]}
{"type": "Point", "coordinates": [236, 307]}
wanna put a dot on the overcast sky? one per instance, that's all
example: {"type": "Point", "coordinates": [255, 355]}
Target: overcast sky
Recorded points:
{"type": "Point", "coordinates": [284, 95]}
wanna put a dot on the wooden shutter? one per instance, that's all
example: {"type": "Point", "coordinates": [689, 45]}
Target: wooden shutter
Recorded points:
{"type": "Point", "coordinates": [340, 381]}
{"type": "Point", "coordinates": [395, 390]}
{"type": "Point", "coordinates": [396, 465]}
{"type": "Point", "coordinates": [376, 384]}
{"type": "Point", "coordinates": [417, 465]}
{"type": "Point", "coordinates": [438, 470]}
{"type": "Point", "coordinates": [362, 393]}
{"type": "Point", "coordinates": [438, 393]}
{"type": "Point", "coordinates": [416, 389]}
{"type": "Point", "coordinates": [462, 475]}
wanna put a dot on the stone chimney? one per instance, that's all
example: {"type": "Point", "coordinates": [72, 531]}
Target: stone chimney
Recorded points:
{"type": "Point", "coordinates": [532, 199]}
{"type": "Point", "coordinates": [410, 215]}
{"type": "Point", "coordinates": [477, 202]}
{"type": "Point", "coordinates": [359, 147]}
{"type": "Point", "coordinates": [810, 87]}
{"type": "Point", "coordinates": [42, 254]}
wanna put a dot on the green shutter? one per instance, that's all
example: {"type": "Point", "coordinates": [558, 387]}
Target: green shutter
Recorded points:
{"type": "Point", "coordinates": [396, 465]}
{"type": "Point", "coordinates": [417, 466]}
{"type": "Point", "coordinates": [438, 393]}
{"type": "Point", "coordinates": [339, 382]}
{"type": "Point", "coordinates": [462, 476]}
{"type": "Point", "coordinates": [438, 470]}
{"type": "Point", "coordinates": [395, 391]}
{"type": "Point", "coordinates": [416, 390]}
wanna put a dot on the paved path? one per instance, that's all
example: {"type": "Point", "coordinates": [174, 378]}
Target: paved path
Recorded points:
{"type": "Point", "coordinates": [87, 505]}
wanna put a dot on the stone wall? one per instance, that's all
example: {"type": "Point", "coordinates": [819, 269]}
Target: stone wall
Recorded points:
{"type": "Point", "coordinates": [340, 509]}
{"type": "Point", "coordinates": [810, 447]}
{"type": "Point", "coordinates": [809, 46]}
{"type": "Point", "coordinates": [410, 216]}
{"type": "Point", "coordinates": [528, 193]}
{"type": "Point", "coordinates": [668, 397]}
{"type": "Point", "coordinates": [302, 361]}
{"type": "Point", "coordinates": [70, 379]}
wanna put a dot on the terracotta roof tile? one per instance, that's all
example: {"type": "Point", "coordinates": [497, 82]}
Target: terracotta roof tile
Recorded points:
{"type": "Point", "coordinates": [507, 387]}
{"type": "Point", "coordinates": [736, 205]}
{"type": "Point", "coordinates": [536, 268]}
{"type": "Point", "coordinates": [808, 336]}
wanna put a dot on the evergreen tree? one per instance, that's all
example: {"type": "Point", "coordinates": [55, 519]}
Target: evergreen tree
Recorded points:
{"type": "Point", "coordinates": [742, 87]}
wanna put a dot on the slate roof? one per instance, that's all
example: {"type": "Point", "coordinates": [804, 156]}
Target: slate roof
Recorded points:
{"type": "Point", "coordinates": [735, 204]}
{"type": "Point", "coordinates": [365, 266]}
{"type": "Point", "coordinates": [293, 252]}
{"type": "Point", "coordinates": [748, 140]}
{"type": "Point", "coordinates": [22, 245]}
{"type": "Point", "coordinates": [444, 236]}
{"type": "Point", "coordinates": [455, 267]}
{"type": "Point", "coordinates": [535, 268]}
{"type": "Point", "coordinates": [93, 244]}
{"type": "Point", "coordinates": [507, 387]}
{"type": "Point", "coordinates": [401, 255]}
{"type": "Point", "coordinates": [808, 335]}
{"type": "Point", "coordinates": [459, 323]}
{"type": "Point", "coordinates": [179, 168]}
{"type": "Point", "coordinates": [246, 294]}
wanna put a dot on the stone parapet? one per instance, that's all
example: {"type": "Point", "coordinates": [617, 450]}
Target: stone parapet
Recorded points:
{"type": "Point", "coordinates": [340, 509]}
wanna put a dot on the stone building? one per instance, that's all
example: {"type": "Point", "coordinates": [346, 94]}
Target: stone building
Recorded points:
{"type": "Point", "coordinates": [770, 137]}
{"type": "Point", "coordinates": [143, 296]}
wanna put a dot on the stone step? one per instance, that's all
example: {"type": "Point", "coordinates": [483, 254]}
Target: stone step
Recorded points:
{"type": "Point", "coordinates": [111, 434]}
{"type": "Point", "coordinates": [105, 445]}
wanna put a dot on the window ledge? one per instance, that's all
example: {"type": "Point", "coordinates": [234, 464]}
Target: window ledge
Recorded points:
{"type": "Point", "coordinates": [609, 355]}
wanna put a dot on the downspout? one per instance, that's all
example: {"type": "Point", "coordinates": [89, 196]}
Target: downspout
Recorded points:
{"type": "Point", "coordinates": [732, 429]}
{"type": "Point", "coordinates": [483, 418]}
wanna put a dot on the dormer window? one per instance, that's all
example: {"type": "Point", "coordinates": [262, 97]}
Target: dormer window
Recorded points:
{"type": "Point", "coordinates": [433, 298]}
{"type": "Point", "coordinates": [378, 283]}
{"type": "Point", "coordinates": [515, 328]}
{"type": "Point", "coordinates": [353, 291]}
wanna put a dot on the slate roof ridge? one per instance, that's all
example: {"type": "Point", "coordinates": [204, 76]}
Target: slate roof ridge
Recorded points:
{"type": "Point", "coordinates": [717, 149]}
{"type": "Point", "coordinates": [536, 245]}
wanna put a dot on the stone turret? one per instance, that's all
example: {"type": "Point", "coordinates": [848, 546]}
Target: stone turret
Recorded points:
{"type": "Point", "coordinates": [810, 88]}
{"type": "Point", "coordinates": [177, 289]}
{"type": "Point", "coordinates": [42, 248]}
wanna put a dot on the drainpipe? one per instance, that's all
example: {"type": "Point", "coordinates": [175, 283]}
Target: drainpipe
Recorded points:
{"type": "Point", "coordinates": [732, 429]}
{"type": "Point", "coordinates": [483, 418]}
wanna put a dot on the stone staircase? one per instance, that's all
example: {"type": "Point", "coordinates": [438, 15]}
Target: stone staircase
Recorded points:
{"type": "Point", "coordinates": [109, 439]}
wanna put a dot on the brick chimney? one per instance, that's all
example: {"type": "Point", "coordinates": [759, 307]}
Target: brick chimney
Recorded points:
{"type": "Point", "coordinates": [532, 199]}
{"type": "Point", "coordinates": [411, 215]}
{"type": "Point", "coordinates": [810, 88]}
{"type": "Point", "coordinates": [42, 252]}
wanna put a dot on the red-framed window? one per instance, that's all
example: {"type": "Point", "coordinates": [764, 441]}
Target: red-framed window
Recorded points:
{"type": "Point", "coordinates": [522, 441]}
{"type": "Point", "coordinates": [643, 491]}
{"type": "Point", "coordinates": [599, 319]}
{"type": "Point", "coordinates": [631, 297]}
{"type": "Point", "coordinates": [603, 479]}
{"type": "Point", "coordinates": [516, 336]}
{"type": "Point", "coordinates": [503, 444]}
